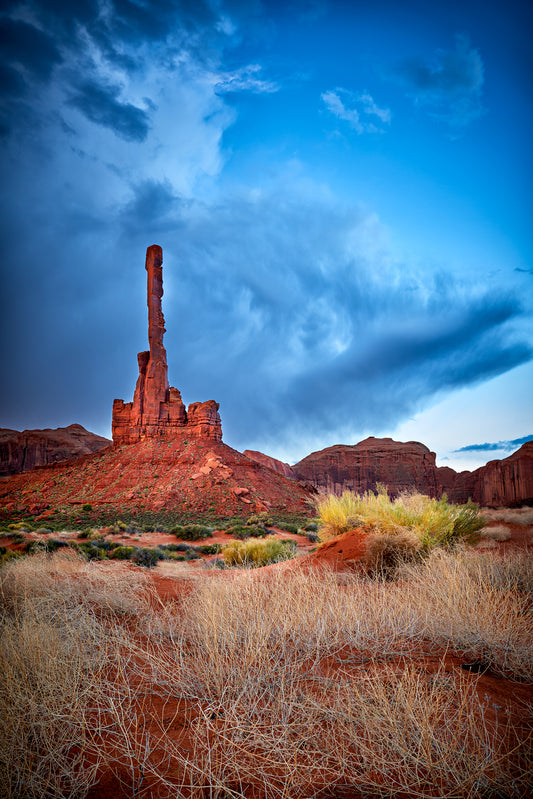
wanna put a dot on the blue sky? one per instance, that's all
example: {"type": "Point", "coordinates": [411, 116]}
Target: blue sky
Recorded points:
{"type": "Point", "coordinates": [342, 191]}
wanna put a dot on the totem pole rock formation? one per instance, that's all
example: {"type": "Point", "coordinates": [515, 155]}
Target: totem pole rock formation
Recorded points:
{"type": "Point", "coordinates": [157, 409]}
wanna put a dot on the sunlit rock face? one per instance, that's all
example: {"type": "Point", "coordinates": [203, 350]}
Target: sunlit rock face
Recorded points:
{"type": "Point", "coordinates": [157, 409]}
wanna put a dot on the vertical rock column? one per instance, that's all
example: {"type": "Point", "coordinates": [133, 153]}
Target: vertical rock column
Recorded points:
{"type": "Point", "coordinates": [156, 388]}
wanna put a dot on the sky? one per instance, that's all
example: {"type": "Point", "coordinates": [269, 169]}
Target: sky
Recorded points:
{"type": "Point", "coordinates": [343, 194]}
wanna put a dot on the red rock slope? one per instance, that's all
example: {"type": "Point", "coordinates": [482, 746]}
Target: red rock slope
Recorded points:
{"type": "Point", "coordinates": [21, 451]}
{"type": "Point", "coordinates": [178, 475]}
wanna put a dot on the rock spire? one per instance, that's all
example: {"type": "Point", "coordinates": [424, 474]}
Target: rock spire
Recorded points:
{"type": "Point", "coordinates": [157, 409]}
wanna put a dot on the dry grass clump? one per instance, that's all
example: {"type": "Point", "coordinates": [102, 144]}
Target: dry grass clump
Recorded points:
{"type": "Point", "coordinates": [257, 553]}
{"type": "Point", "coordinates": [496, 532]}
{"type": "Point", "coordinates": [523, 517]}
{"type": "Point", "coordinates": [386, 551]}
{"type": "Point", "coordinates": [476, 604]}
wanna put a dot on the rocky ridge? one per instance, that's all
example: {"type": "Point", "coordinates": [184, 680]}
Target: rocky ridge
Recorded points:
{"type": "Point", "coordinates": [23, 450]}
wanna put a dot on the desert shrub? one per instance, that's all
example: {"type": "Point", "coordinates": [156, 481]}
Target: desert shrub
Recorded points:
{"type": "Point", "coordinates": [22, 526]}
{"type": "Point", "coordinates": [385, 551]}
{"type": "Point", "coordinates": [122, 553]}
{"type": "Point", "coordinates": [262, 518]}
{"type": "Point", "coordinates": [146, 557]}
{"type": "Point", "coordinates": [257, 553]}
{"type": "Point", "coordinates": [497, 532]}
{"type": "Point", "coordinates": [8, 555]}
{"type": "Point", "coordinates": [434, 522]}
{"type": "Point", "coordinates": [43, 531]}
{"type": "Point", "coordinates": [86, 507]}
{"type": "Point", "coordinates": [209, 549]}
{"type": "Point", "coordinates": [192, 532]}
{"type": "Point", "coordinates": [311, 527]}
{"type": "Point", "coordinates": [289, 527]}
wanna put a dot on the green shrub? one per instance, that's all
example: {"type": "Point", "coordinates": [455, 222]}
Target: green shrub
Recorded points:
{"type": "Point", "coordinates": [146, 557]}
{"type": "Point", "coordinates": [122, 553]}
{"type": "Point", "coordinates": [257, 553]}
{"type": "Point", "coordinates": [86, 507]}
{"type": "Point", "coordinates": [192, 532]}
{"type": "Point", "coordinates": [7, 556]}
{"type": "Point", "coordinates": [289, 527]}
{"type": "Point", "coordinates": [209, 549]}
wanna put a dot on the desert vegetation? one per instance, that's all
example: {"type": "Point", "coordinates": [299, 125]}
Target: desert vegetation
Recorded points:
{"type": "Point", "coordinates": [398, 529]}
{"type": "Point", "coordinates": [287, 683]}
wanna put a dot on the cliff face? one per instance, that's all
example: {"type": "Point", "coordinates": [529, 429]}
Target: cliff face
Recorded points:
{"type": "Point", "coordinates": [411, 466]}
{"type": "Point", "coordinates": [499, 483]}
{"type": "Point", "coordinates": [157, 409]}
{"type": "Point", "coordinates": [22, 451]}
{"type": "Point", "coordinates": [376, 460]}
{"type": "Point", "coordinates": [278, 466]}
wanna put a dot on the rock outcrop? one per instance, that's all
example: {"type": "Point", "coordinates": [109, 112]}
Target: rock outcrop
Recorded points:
{"type": "Point", "coordinates": [411, 466]}
{"type": "Point", "coordinates": [157, 409]}
{"type": "Point", "coordinates": [278, 466]}
{"type": "Point", "coordinates": [22, 451]}
{"type": "Point", "coordinates": [503, 482]}
{"type": "Point", "coordinates": [360, 467]}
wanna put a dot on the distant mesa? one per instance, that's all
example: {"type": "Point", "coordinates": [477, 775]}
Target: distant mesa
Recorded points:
{"type": "Point", "coordinates": [23, 450]}
{"type": "Point", "coordinates": [157, 410]}
{"type": "Point", "coordinates": [412, 466]}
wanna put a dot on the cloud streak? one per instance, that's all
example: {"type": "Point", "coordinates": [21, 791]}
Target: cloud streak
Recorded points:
{"type": "Point", "coordinates": [507, 446]}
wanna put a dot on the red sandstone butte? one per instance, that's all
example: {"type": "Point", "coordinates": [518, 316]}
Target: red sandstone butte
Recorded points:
{"type": "Point", "coordinates": [360, 467]}
{"type": "Point", "coordinates": [278, 466]}
{"type": "Point", "coordinates": [157, 410]}
{"type": "Point", "coordinates": [29, 449]}
{"type": "Point", "coordinates": [411, 466]}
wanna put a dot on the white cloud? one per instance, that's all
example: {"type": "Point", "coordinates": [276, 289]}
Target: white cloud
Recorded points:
{"type": "Point", "coordinates": [350, 107]}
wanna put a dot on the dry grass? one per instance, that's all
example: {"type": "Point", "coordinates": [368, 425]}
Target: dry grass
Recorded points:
{"type": "Point", "coordinates": [497, 532]}
{"type": "Point", "coordinates": [523, 517]}
{"type": "Point", "coordinates": [282, 686]}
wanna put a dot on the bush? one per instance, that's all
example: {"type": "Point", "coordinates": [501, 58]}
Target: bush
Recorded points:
{"type": "Point", "coordinates": [122, 553]}
{"type": "Point", "coordinates": [434, 522]}
{"type": "Point", "coordinates": [86, 507]}
{"type": "Point", "coordinates": [146, 557]}
{"type": "Point", "coordinates": [260, 519]}
{"type": "Point", "coordinates": [386, 551]}
{"type": "Point", "coordinates": [258, 553]}
{"type": "Point", "coordinates": [192, 532]}
{"type": "Point", "coordinates": [289, 527]}
{"type": "Point", "coordinates": [498, 532]}
{"type": "Point", "coordinates": [311, 527]}
{"type": "Point", "coordinates": [209, 549]}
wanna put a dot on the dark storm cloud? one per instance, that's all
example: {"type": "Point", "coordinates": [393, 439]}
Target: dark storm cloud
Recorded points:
{"type": "Point", "coordinates": [505, 445]}
{"type": "Point", "coordinates": [300, 325]}
{"type": "Point", "coordinates": [449, 86]}
{"type": "Point", "coordinates": [101, 105]}
{"type": "Point", "coordinates": [28, 47]}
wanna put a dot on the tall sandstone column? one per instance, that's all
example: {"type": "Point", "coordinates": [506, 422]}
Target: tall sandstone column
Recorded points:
{"type": "Point", "coordinates": [157, 410]}
{"type": "Point", "coordinates": [156, 388]}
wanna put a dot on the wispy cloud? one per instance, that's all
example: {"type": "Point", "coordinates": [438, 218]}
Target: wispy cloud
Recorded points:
{"type": "Point", "coordinates": [525, 271]}
{"type": "Point", "coordinates": [449, 86]}
{"type": "Point", "coordinates": [506, 446]}
{"type": "Point", "coordinates": [245, 79]}
{"type": "Point", "coordinates": [356, 109]}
